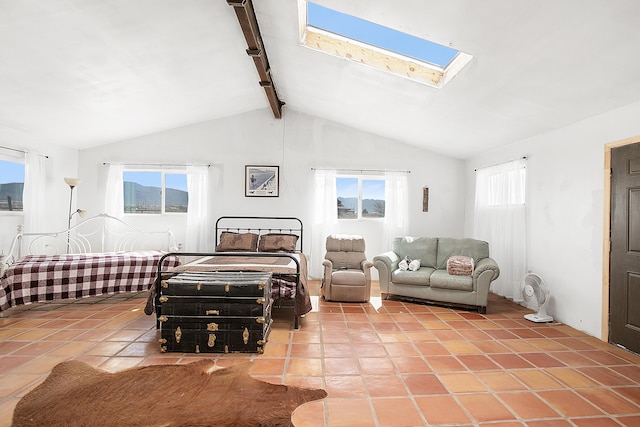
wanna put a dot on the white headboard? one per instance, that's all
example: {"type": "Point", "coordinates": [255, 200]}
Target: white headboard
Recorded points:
{"type": "Point", "coordinates": [100, 233]}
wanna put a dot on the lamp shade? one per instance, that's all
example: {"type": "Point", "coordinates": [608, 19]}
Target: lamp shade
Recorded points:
{"type": "Point", "coordinates": [72, 182]}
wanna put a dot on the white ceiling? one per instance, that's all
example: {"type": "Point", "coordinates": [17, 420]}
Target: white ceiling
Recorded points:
{"type": "Point", "coordinates": [81, 73]}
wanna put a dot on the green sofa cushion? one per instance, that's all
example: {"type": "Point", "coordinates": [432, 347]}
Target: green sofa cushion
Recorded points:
{"type": "Point", "coordinates": [440, 279]}
{"type": "Point", "coordinates": [419, 277]}
{"type": "Point", "coordinates": [447, 247]}
{"type": "Point", "coordinates": [422, 248]}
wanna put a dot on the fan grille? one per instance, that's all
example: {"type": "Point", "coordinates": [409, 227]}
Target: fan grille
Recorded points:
{"type": "Point", "coordinates": [535, 292]}
{"type": "Point", "coordinates": [534, 289]}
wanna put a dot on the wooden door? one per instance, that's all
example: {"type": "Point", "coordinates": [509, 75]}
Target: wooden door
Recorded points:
{"type": "Point", "coordinates": [624, 263]}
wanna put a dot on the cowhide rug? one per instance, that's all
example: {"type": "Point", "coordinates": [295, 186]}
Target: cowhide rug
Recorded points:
{"type": "Point", "coordinates": [194, 395]}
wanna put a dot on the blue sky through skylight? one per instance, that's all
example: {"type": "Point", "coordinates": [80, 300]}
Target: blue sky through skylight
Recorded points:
{"type": "Point", "coordinates": [379, 36]}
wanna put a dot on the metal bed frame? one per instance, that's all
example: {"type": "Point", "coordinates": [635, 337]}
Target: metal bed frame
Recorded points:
{"type": "Point", "coordinates": [247, 224]}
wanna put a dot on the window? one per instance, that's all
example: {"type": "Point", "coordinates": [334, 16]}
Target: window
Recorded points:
{"type": "Point", "coordinates": [503, 187]}
{"type": "Point", "coordinates": [360, 197]}
{"type": "Point", "coordinates": [362, 41]}
{"type": "Point", "coordinates": [11, 186]}
{"type": "Point", "coordinates": [501, 205]}
{"type": "Point", "coordinates": [155, 192]}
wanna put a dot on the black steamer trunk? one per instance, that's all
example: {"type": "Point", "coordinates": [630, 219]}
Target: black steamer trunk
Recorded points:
{"type": "Point", "coordinates": [215, 312]}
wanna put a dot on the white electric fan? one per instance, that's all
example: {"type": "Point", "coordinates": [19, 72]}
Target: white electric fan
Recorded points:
{"type": "Point", "coordinates": [536, 293]}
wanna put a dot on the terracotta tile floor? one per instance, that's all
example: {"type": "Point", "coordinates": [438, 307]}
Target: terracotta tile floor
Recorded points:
{"type": "Point", "coordinates": [384, 363]}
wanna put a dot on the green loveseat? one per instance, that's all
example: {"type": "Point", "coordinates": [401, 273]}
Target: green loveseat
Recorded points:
{"type": "Point", "coordinates": [432, 282]}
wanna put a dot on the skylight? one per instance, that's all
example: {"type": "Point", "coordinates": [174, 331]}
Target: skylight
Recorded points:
{"type": "Point", "coordinates": [391, 50]}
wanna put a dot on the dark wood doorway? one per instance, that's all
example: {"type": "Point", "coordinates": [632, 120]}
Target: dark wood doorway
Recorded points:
{"type": "Point", "coordinates": [624, 261]}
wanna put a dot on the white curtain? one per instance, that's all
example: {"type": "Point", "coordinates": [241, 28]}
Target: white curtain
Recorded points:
{"type": "Point", "coordinates": [500, 219]}
{"type": "Point", "coordinates": [114, 192]}
{"type": "Point", "coordinates": [33, 195]}
{"type": "Point", "coordinates": [396, 213]}
{"type": "Point", "coordinates": [196, 238]}
{"type": "Point", "coordinates": [325, 218]}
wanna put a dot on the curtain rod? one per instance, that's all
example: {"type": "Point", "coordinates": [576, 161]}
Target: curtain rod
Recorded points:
{"type": "Point", "coordinates": [18, 150]}
{"type": "Point", "coordinates": [157, 164]}
{"type": "Point", "coordinates": [360, 170]}
{"type": "Point", "coordinates": [501, 163]}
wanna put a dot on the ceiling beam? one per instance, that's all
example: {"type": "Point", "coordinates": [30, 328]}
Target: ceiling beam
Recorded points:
{"type": "Point", "coordinates": [249, 24]}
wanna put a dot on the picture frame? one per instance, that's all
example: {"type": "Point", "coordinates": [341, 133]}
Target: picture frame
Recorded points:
{"type": "Point", "coordinates": [261, 181]}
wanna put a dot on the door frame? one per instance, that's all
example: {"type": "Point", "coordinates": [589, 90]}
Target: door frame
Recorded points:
{"type": "Point", "coordinates": [606, 247]}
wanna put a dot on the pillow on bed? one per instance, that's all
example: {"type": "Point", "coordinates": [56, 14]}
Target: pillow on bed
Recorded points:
{"type": "Point", "coordinates": [237, 242]}
{"type": "Point", "coordinates": [274, 242]}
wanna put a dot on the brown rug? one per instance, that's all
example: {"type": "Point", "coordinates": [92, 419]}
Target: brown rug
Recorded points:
{"type": "Point", "coordinates": [76, 394]}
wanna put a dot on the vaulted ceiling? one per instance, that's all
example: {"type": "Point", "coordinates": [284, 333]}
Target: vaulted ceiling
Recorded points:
{"type": "Point", "coordinates": [81, 73]}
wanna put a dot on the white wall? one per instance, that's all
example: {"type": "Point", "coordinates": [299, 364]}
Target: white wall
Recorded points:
{"type": "Point", "coordinates": [296, 143]}
{"type": "Point", "coordinates": [61, 162]}
{"type": "Point", "coordinates": [565, 183]}
{"type": "Point", "coordinates": [565, 206]}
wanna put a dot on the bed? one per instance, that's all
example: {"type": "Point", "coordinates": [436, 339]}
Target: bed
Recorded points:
{"type": "Point", "coordinates": [249, 243]}
{"type": "Point", "coordinates": [100, 255]}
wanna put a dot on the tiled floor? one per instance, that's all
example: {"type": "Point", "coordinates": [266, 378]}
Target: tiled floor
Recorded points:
{"type": "Point", "coordinates": [384, 363]}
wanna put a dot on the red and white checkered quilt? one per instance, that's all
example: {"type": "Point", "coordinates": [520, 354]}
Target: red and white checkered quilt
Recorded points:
{"type": "Point", "coordinates": [39, 278]}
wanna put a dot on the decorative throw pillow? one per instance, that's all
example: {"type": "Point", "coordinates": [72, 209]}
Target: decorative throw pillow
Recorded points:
{"type": "Point", "coordinates": [237, 242]}
{"type": "Point", "coordinates": [408, 264]}
{"type": "Point", "coordinates": [274, 242]}
{"type": "Point", "coordinates": [414, 265]}
{"type": "Point", "coordinates": [458, 265]}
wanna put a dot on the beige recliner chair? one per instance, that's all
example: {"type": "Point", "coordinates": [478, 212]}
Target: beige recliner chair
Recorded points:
{"type": "Point", "coordinates": [347, 273]}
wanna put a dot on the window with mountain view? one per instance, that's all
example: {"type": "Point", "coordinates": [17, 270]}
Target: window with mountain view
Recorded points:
{"type": "Point", "coordinates": [155, 192]}
{"type": "Point", "coordinates": [11, 186]}
{"type": "Point", "coordinates": [360, 197]}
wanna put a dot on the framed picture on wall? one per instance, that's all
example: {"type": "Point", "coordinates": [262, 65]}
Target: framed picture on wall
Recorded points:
{"type": "Point", "coordinates": [261, 181]}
